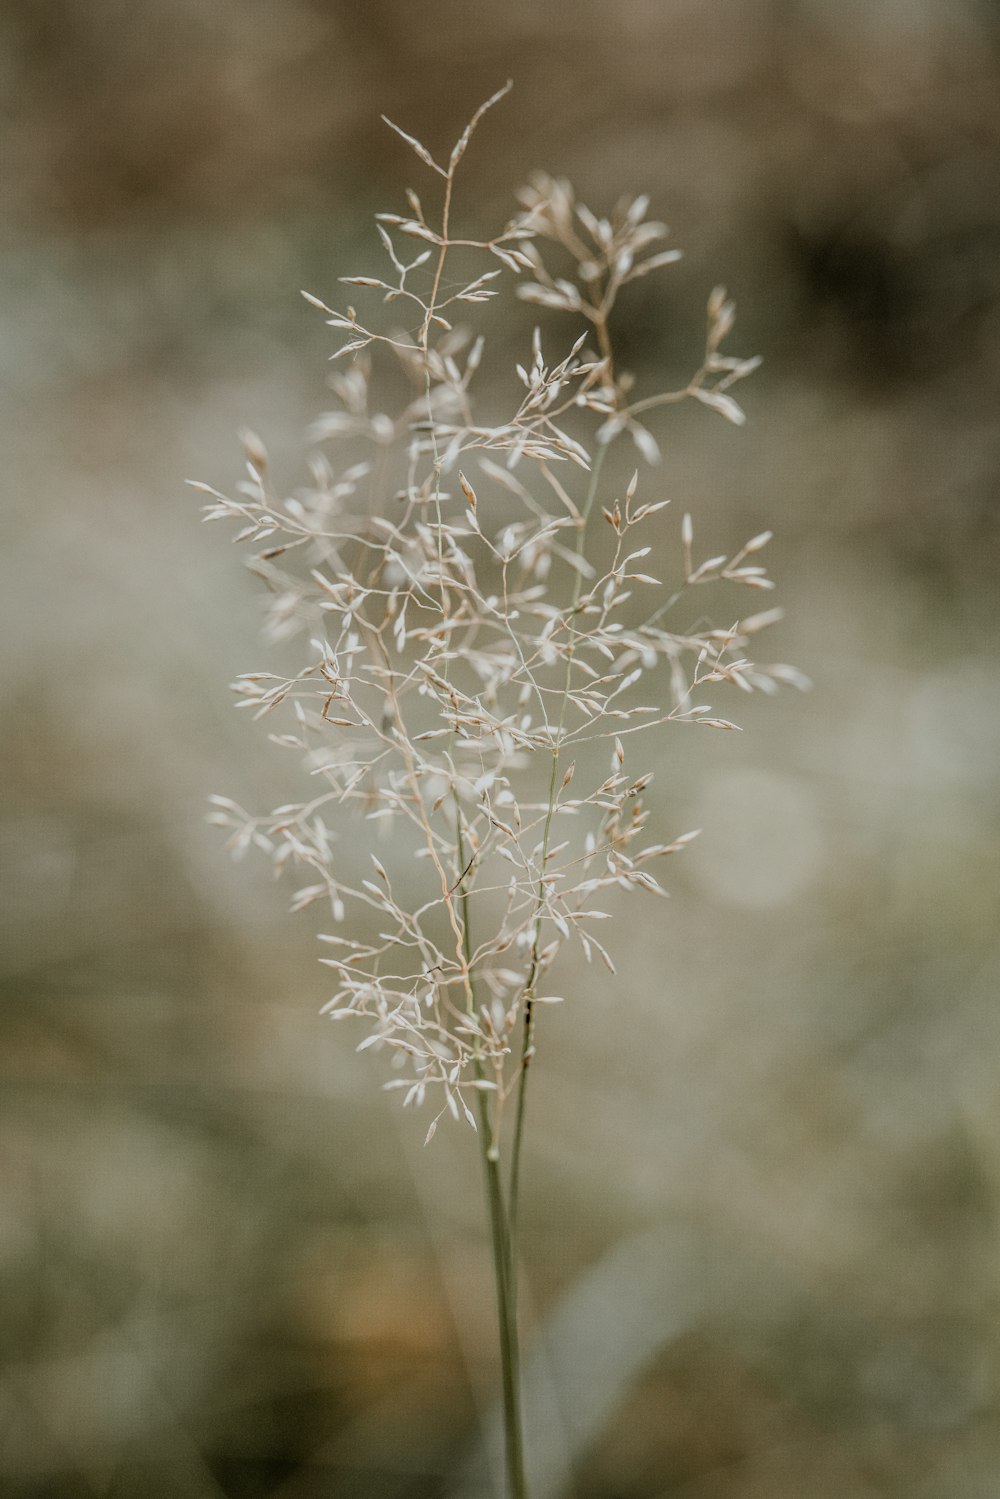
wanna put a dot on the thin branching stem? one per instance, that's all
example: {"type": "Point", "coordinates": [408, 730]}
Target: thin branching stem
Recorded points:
{"type": "Point", "coordinates": [460, 641]}
{"type": "Point", "coordinates": [528, 1028]}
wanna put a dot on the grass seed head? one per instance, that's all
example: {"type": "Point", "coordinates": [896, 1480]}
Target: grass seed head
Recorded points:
{"type": "Point", "coordinates": [471, 641]}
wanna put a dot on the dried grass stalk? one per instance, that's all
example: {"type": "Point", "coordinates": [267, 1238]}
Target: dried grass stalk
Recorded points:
{"type": "Point", "coordinates": [482, 666]}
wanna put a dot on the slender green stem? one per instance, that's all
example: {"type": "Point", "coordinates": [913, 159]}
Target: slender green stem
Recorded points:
{"type": "Point", "coordinates": [506, 1309]}
{"type": "Point", "coordinates": [503, 1270]}
{"type": "Point", "coordinates": [488, 1145]}
{"type": "Point", "coordinates": [504, 1281]}
{"type": "Point", "coordinates": [528, 1032]}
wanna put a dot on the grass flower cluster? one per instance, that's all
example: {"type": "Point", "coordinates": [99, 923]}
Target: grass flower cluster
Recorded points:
{"type": "Point", "coordinates": [489, 644]}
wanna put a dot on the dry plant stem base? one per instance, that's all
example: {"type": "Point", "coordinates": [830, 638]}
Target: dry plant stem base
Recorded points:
{"type": "Point", "coordinates": [479, 655]}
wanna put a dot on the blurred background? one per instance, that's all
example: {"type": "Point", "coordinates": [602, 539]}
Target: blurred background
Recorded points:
{"type": "Point", "coordinates": [764, 1182]}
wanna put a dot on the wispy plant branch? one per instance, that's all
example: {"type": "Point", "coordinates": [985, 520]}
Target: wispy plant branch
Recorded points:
{"type": "Point", "coordinates": [466, 628]}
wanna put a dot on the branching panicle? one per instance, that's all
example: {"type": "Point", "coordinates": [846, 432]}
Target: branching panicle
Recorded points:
{"type": "Point", "coordinates": [488, 628]}
{"type": "Point", "coordinates": [486, 634]}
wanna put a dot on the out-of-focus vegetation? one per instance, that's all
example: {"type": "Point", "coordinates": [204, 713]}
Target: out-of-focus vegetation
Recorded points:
{"type": "Point", "coordinates": [765, 1173]}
